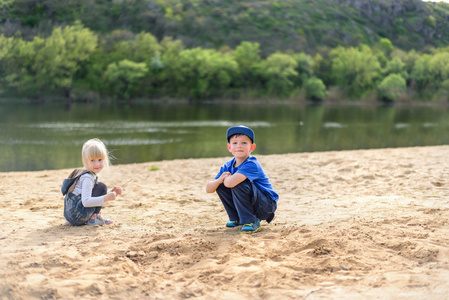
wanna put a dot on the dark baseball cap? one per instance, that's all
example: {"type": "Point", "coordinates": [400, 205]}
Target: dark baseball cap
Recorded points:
{"type": "Point", "coordinates": [240, 130]}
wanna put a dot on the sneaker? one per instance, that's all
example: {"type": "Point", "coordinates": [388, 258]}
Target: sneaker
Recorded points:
{"type": "Point", "coordinates": [106, 221]}
{"type": "Point", "coordinates": [95, 220]}
{"type": "Point", "coordinates": [252, 227]}
{"type": "Point", "coordinates": [232, 224]}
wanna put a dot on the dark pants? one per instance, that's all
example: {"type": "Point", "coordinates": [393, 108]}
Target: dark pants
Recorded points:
{"type": "Point", "coordinates": [74, 210]}
{"type": "Point", "coordinates": [246, 203]}
{"type": "Point", "coordinates": [100, 189]}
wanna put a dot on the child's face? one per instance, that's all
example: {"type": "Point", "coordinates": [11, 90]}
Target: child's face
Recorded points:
{"type": "Point", "coordinates": [95, 164]}
{"type": "Point", "coordinates": [241, 146]}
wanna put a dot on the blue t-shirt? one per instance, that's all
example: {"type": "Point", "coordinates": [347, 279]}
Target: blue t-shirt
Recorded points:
{"type": "Point", "coordinates": [252, 169]}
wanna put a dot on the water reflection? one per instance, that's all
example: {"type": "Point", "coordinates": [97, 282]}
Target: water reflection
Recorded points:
{"type": "Point", "coordinates": [50, 137]}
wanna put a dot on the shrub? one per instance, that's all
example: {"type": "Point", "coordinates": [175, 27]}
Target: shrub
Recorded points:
{"type": "Point", "coordinates": [391, 87]}
{"type": "Point", "coordinates": [315, 89]}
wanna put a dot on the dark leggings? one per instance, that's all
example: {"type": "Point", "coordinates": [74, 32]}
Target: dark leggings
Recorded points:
{"type": "Point", "coordinates": [100, 189]}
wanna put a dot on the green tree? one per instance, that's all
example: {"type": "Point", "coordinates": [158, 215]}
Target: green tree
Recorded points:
{"type": "Point", "coordinates": [6, 45]}
{"type": "Point", "coordinates": [141, 48]}
{"type": "Point", "coordinates": [123, 45]}
{"type": "Point", "coordinates": [383, 50]}
{"type": "Point", "coordinates": [124, 76]}
{"type": "Point", "coordinates": [166, 80]}
{"type": "Point", "coordinates": [408, 58]}
{"type": "Point", "coordinates": [304, 67]}
{"type": "Point", "coordinates": [92, 71]}
{"type": "Point", "coordinates": [315, 89]}
{"type": "Point", "coordinates": [247, 56]}
{"type": "Point", "coordinates": [421, 75]}
{"type": "Point", "coordinates": [16, 64]}
{"type": "Point", "coordinates": [430, 72]}
{"type": "Point", "coordinates": [439, 68]}
{"type": "Point", "coordinates": [322, 67]}
{"type": "Point", "coordinates": [355, 69]}
{"type": "Point", "coordinates": [386, 46]}
{"type": "Point", "coordinates": [203, 73]}
{"type": "Point", "coordinates": [391, 87]}
{"type": "Point", "coordinates": [279, 72]}
{"type": "Point", "coordinates": [396, 66]}
{"type": "Point", "coordinates": [443, 90]}
{"type": "Point", "coordinates": [59, 57]}
{"type": "Point", "coordinates": [7, 68]}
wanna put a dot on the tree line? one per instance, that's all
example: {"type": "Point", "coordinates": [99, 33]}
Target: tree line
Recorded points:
{"type": "Point", "coordinates": [77, 64]}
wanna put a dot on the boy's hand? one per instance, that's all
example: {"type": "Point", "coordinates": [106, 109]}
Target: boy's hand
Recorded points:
{"type": "Point", "coordinates": [233, 180]}
{"type": "Point", "coordinates": [117, 190]}
{"type": "Point", "coordinates": [213, 185]}
{"type": "Point", "coordinates": [223, 176]}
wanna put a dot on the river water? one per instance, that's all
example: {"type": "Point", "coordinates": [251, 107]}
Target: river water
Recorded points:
{"type": "Point", "coordinates": [50, 136]}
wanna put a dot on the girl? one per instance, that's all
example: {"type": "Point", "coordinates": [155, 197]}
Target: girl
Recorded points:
{"type": "Point", "coordinates": [84, 195]}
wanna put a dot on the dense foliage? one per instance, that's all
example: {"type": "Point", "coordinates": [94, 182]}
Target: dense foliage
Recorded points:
{"type": "Point", "coordinates": [299, 25]}
{"type": "Point", "coordinates": [203, 49]}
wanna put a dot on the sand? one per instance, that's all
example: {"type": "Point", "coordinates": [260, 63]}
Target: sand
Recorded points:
{"type": "Point", "coordinates": [368, 224]}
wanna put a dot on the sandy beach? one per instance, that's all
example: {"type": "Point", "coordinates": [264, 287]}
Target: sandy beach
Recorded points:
{"type": "Point", "coordinates": [366, 224]}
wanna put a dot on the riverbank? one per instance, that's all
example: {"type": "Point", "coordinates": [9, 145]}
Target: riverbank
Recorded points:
{"type": "Point", "coordinates": [335, 100]}
{"type": "Point", "coordinates": [351, 224]}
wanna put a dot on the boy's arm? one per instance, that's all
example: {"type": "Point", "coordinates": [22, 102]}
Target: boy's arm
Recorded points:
{"type": "Point", "coordinates": [233, 180]}
{"type": "Point", "coordinates": [213, 185]}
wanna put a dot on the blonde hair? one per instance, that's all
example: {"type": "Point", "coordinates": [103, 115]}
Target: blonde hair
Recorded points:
{"type": "Point", "coordinates": [94, 148]}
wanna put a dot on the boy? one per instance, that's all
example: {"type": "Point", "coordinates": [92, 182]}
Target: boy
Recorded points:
{"type": "Point", "coordinates": [242, 185]}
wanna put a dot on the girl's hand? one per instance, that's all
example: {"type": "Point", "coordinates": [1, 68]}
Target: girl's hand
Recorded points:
{"type": "Point", "coordinates": [117, 190]}
{"type": "Point", "coordinates": [109, 196]}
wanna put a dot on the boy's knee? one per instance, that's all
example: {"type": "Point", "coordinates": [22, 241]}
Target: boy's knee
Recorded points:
{"type": "Point", "coordinates": [244, 187]}
{"type": "Point", "coordinates": [222, 188]}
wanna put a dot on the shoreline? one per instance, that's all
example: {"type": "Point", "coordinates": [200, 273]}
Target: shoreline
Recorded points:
{"type": "Point", "coordinates": [361, 223]}
{"type": "Point", "coordinates": [231, 101]}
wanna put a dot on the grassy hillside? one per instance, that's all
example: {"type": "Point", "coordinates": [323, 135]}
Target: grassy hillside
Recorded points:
{"type": "Point", "coordinates": [298, 25]}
